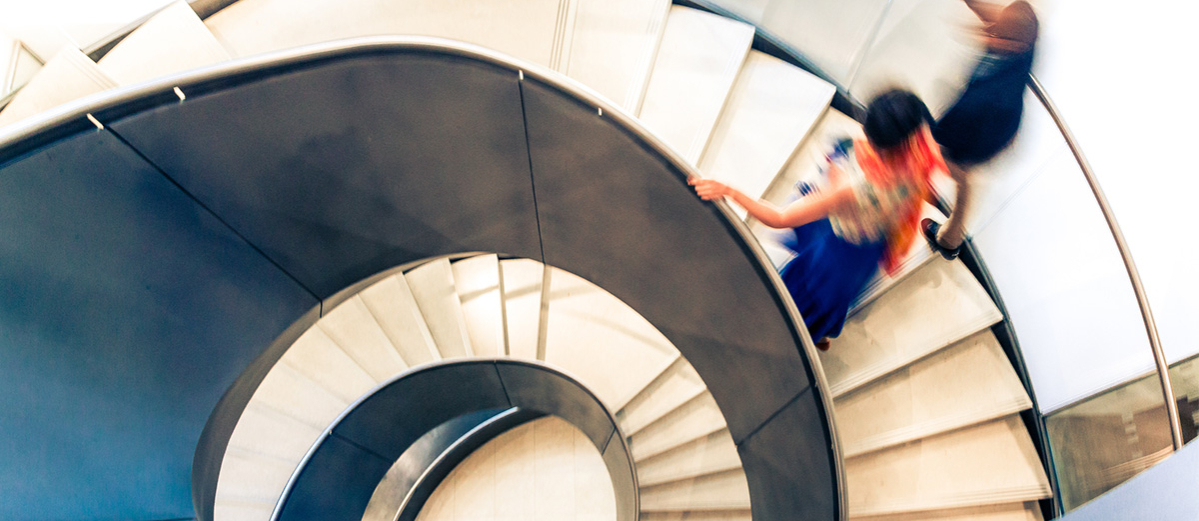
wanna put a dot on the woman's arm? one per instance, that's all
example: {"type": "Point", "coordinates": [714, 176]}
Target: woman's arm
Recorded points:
{"type": "Point", "coordinates": [801, 212]}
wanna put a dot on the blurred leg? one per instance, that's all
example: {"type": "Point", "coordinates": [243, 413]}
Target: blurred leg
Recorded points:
{"type": "Point", "coordinates": [954, 231]}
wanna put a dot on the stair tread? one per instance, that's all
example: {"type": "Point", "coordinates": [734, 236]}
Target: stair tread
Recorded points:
{"type": "Point", "coordinates": [432, 286]}
{"type": "Point", "coordinates": [354, 328]}
{"type": "Point", "coordinates": [694, 419]}
{"type": "Point", "coordinates": [708, 455]}
{"type": "Point", "coordinates": [1020, 511]}
{"type": "Point", "coordinates": [391, 303]}
{"type": "Point", "coordinates": [612, 47]}
{"type": "Point", "coordinates": [726, 490]}
{"type": "Point", "coordinates": [477, 281]}
{"type": "Point", "coordinates": [318, 357]}
{"type": "Point", "coordinates": [249, 27]}
{"type": "Point", "coordinates": [171, 41]}
{"type": "Point", "coordinates": [697, 63]}
{"type": "Point", "coordinates": [938, 304]}
{"type": "Point", "coordinates": [770, 109]}
{"type": "Point", "coordinates": [989, 463]}
{"type": "Point", "coordinates": [677, 385]}
{"type": "Point", "coordinates": [595, 336]}
{"type": "Point", "coordinates": [969, 382]}
{"type": "Point", "coordinates": [68, 76]}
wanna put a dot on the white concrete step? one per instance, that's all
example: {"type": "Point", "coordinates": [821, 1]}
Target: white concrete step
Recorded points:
{"type": "Point", "coordinates": [723, 491]}
{"type": "Point", "coordinates": [708, 455]}
{"type": "Point", "coordinates": [934, 307]}
{"type": "Point", "coordinates": [1026, 511]}
{"type": "Point", "coordinates": [321, 360]}
{"type": "Point", "coordinates": [171, 41]}
{"type": "Point", "coordinates": [693, 420]}
{"type": "Point", "coordinates": [609, 45]}
{"type": "Point", "coordinates": [677, 385]}
{"type": "Point", "coordinates": [269, 432]}
{"type": "Point", "coordinates": [477, 281]}
{"type": "Point", "coordinates": [522, 305]}
{"type": "Point", "coordinates": [68, 76]}
{"type": "Point", "coordinates": [251, 480]}
{"type": "Point", "coordinates": [354, 328]}
{"type": "Point", "coordinates": [772, 106]}
{"type": "Point", "coordinates": [701, 515]}
{"type": "Point", "coordinates": [967, 383]}
{"type": "Point", "coordinates": [989, 463]}
{"type": "Point", "coordinates": [391, 302]}
{"type": "Point", "coordinates": [601, 340]}
{"type": "Point", "coordinates": [697, 63]}
{"type": "Point", "coordinates": [433, 289]}
{"type": "Point", "coordinates": [530, 29]}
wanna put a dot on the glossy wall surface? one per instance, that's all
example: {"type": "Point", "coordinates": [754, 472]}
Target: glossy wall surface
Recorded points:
{"type": "Point", "coordinates": [293, 178]}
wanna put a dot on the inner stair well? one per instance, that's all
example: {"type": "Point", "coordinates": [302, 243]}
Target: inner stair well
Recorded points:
{"type": "Point", "coordinates": [675, 430]}
{"type": "Point", "coordinates": [927, 406]}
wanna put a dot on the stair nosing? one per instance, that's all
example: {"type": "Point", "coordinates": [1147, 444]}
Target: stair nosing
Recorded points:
{"type": "Point", "coordinates": [887, 366]}
{"type": "Point", "coordinates": [927, 429]}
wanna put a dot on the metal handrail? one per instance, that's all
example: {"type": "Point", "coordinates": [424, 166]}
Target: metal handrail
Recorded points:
{"type": "Point", "coordinates": [1134, 276]}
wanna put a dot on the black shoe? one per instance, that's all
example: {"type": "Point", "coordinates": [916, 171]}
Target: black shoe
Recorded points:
{"type": "Point", "coordinates": [930, 229]}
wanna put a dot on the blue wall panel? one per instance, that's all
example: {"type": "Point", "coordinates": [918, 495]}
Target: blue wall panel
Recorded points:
{"type": "Point", "coordinates": [126, 310]}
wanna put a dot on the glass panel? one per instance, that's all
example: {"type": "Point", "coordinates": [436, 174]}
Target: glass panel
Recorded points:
{"type": "Point", "coordinates": [1107, 439]}
{"type": "Point", "coordinates": [1184, 378]}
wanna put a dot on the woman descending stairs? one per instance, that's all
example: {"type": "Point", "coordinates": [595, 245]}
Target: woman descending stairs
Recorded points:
{"type": "Point", "coordinates": [925, 403]}
{"type": "Point", "coordinates": [439, 310]}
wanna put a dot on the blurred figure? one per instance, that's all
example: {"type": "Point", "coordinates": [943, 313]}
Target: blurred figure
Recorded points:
{"type": "Point", "coordinates": [867, 217]}
{"type": "Point", "coordinates": [985, 117]}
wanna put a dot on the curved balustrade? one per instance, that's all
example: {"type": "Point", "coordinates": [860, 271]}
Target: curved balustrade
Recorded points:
{"type": "Point", "coordinates": [315, 169]}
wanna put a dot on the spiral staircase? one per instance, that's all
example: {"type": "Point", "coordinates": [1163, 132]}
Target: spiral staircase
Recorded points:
{"type": "Point", "coordinates": [926, 403]}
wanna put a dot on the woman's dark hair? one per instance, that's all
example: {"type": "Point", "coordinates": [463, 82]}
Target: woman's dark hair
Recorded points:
{"type": "Point", "coordinates": [893, 116]}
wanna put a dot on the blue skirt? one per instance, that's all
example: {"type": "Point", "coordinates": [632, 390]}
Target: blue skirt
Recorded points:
{"type": "Point", "coordinates": [826, 275]}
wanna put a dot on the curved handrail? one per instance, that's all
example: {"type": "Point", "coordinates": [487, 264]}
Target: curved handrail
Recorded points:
{"type": "Point", "coordinates": [1134, 276]}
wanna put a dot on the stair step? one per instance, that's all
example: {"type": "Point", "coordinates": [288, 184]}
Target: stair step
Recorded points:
{"type": "Point", "coordinates": [522, 305]}
{"type": "Point", "coordinates": [477, 281]}
{"type": "Point", "coordinates": [319, 358]}
{"type": "Point", "coordinates": [601, 340]}
{"type": "Point", "coordinates": [989, 463]}
{"type": "Point", "coordinates": [68, 76]}
{"type": "Point", "coordinates": [432, 287]}
{"type": "Point", "coordinates": [391, 302]}
{"type": "Point", "coordinates": [530, 32]}
{"type": "Point", "coordinates": [268, 432]}
{"type": "Point", "coordinates": [698, 515]}
{"type": "Point", "coordinates": [171, 41]}
{"type": "Point", "coordinates": [935, 306]}
{"type": "Point", "coordinates": [677, 385]}
{"type": "Point", "coordinates": [964, 384]}
{"type": "Point", "coordinates": [708, 455]}
{"type": "Point", "coordinates": [612, 46]}
{"type": "Point", "coordinates": [693, 420]}
{"type": "Point", "coordinates": [352, 326]}
{"type": "Point", "coordinates": [722, 491]}
{"type": "Point", "coordinates": [770, 109]}
{"type": "Point", "coordinates": [252, 478]}
{"type": "Point", "coordinates": [1026, 511]}
{"type": "Point", "coordinates": [234, 509]}
{"type": "Point", "coordinates": [697, 63]}
{"type": "Point", "coordinates": [290, 392]}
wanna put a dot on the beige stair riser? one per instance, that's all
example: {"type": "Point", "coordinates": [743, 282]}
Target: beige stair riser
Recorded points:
{"type": "Point", "coordinates": [711, 454]}
{"type": "Point", "coordinates": [722, 491]}
{"type": "Point", "coordinates": [677, 385]}
{"type": "Point", "coordinates": [477, 281]}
